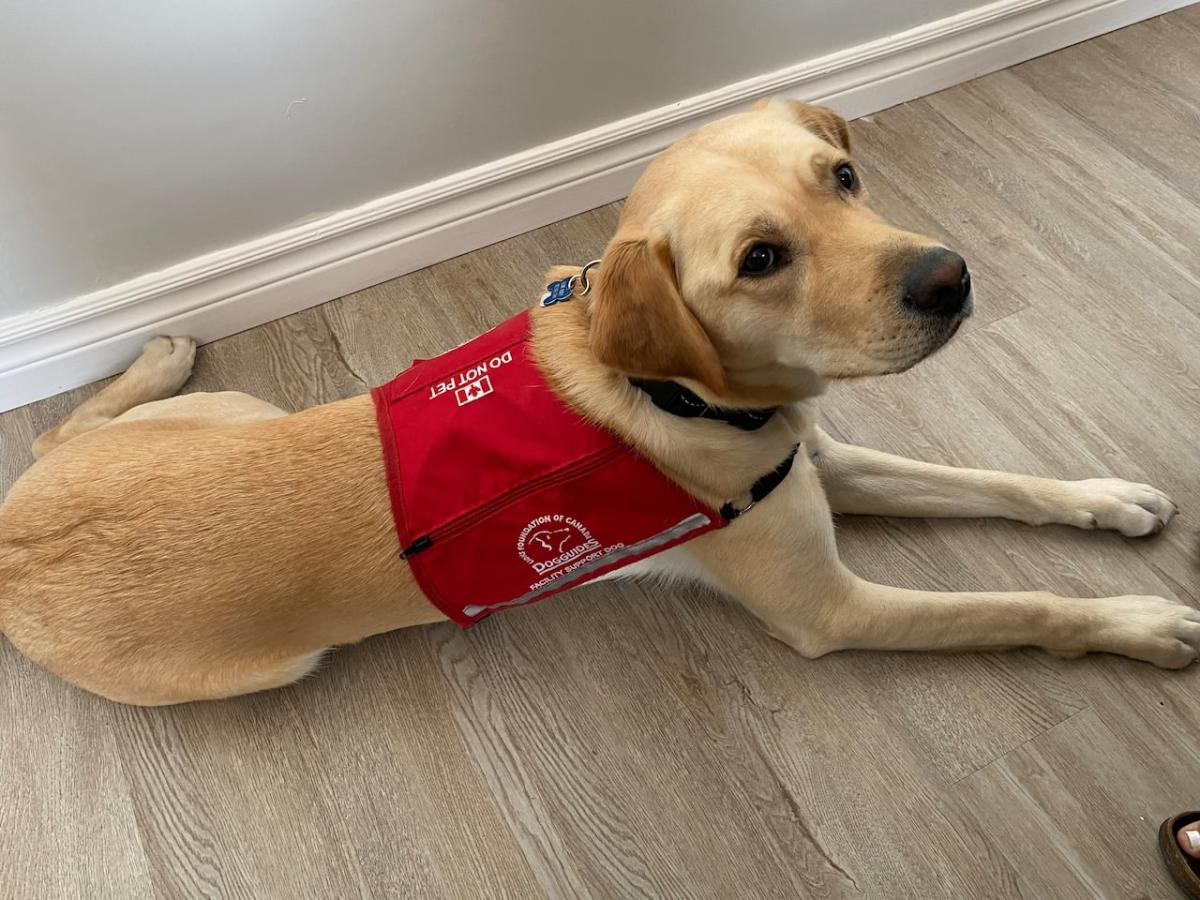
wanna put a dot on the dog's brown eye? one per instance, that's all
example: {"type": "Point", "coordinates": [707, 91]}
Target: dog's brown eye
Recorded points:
{"type": "Point", "coordinates": [846, 176]}
{"type": "Point", "coordinates": [759, 260]}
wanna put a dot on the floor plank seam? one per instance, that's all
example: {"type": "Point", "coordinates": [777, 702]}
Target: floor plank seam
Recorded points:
{"type": "Point", "coordinates": [1002, 756]}
{"type": "Point", "coordinates": [338, 348]}
{"type": "Point", "coordinates": [1002, 318]}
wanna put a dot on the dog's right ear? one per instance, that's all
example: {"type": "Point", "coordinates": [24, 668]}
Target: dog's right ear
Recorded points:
{"type": "Point", "coordinates": [820, 120]}
{"type": "Point", "coordinates": [640, 324]}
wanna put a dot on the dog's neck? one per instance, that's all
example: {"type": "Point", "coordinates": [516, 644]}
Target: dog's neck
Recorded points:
{"type": "Point", "coordinates": [678, 400]}
{"type": "Point", "coordinates": [712, 459]}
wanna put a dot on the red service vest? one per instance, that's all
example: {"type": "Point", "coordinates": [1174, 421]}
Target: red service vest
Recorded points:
{"type": "Point", "coordinates": [502, 495]}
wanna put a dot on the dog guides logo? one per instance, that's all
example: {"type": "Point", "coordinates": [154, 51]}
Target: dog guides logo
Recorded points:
{"type": "Point", "coordinates": [549, 543]}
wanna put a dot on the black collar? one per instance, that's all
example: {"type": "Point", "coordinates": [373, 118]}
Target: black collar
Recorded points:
{"type": "Point", "coordinates": [677, 400]}
{"type": "Point", "coordinates": [762, 487]}
{"type": "Point", "coordinates": [674, 398]}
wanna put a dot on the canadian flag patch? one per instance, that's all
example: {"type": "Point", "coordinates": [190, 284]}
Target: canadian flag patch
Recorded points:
{"type": "Point", "coordinates": [468, 393]}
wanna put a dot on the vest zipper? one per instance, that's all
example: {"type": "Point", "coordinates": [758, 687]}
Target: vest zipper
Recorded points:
{"type": "Point", "coordinates": [455, 526]}
{"type": "Point", "coordinates": [421, 543]}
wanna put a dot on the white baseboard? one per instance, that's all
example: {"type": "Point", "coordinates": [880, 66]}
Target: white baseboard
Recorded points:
{"type": "Point", "coordinates": [63, 346]}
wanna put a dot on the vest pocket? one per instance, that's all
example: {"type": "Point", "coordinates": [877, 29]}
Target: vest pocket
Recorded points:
{"type": "Point", "coordinates": [461, 523]}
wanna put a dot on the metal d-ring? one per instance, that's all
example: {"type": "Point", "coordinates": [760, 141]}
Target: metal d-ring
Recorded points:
{"type": "Point", "coordinates": [749, 506]}
{"type": "Point", "coordinates": [581, 280]}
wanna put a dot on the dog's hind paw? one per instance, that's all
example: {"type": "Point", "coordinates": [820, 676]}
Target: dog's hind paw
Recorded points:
{"type": "Point", "coordinates": [165, 364]}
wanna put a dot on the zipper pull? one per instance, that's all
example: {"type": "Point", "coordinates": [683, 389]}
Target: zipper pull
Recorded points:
{"type": "Point", "coordinates": [422, 543]}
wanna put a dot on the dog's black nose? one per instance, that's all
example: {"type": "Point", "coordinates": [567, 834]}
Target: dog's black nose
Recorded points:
{"type": "Point", "coordinates": [938, 283]}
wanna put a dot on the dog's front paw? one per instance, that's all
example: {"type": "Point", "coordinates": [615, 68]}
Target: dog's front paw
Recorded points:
{"type": "Point", "coordinates": [1135, 510]}
{"type": "Point", "coordinates": [1157, 630]}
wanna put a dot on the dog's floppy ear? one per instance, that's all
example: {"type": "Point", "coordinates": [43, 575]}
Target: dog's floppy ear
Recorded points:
{"type": "Point", "coordinates": [640, 324]}
{"type": "Point", "coordinates": [823, 122]}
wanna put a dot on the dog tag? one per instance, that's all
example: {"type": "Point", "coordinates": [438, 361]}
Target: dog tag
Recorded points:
{"type": "Point", "coordinates": [558, 291]}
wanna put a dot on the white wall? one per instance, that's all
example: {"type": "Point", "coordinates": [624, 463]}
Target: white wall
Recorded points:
{"type": "Point", "coordinates": [134, 134]}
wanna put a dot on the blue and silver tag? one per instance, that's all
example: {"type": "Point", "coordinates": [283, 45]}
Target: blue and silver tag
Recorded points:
{"type": "Point", "coordinates": [565, 288]}
{"type": "Point", "coordinates": [558, 291]}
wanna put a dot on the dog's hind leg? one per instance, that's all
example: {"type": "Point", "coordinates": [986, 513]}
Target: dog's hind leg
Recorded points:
{"type": "Point", "coordinates": [866, 482]}
{"type": "Point", "coordinates": [161, 370]}
{"type": "Point", "coordinates": [203, 408]}
{"type": "Point", "coordinates": [230, 679]}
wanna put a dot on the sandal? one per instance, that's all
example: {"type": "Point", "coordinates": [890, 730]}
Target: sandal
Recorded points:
{"type": "Point", "coordinates": [1183, 868]}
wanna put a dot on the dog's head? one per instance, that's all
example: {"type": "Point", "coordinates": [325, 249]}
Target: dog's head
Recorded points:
{"type": "Point", "coordinates": [748, 263]}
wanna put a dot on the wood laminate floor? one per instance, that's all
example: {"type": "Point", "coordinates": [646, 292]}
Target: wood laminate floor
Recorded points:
{"type": "Point", "coordinates": [623, 741]}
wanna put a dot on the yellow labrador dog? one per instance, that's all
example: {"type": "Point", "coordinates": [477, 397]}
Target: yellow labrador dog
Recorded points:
{"type": "Point", "coordinates": [166, 550]}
